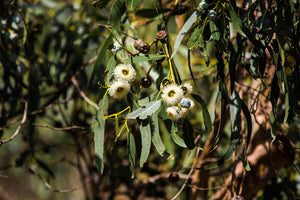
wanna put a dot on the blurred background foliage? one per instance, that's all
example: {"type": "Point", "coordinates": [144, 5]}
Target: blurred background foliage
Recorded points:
{"type": "Point", "coordinates": [53, 53]}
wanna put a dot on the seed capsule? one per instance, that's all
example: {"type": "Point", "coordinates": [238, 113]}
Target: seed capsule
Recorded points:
{"type": "Point", "coordinates": [142, 46]}
{"type": "Point", "coordinates": [146, 82]}
{"type": "Point", "coordinates": [180, 9]}
{"type": "Point", "coordinates": [173, 177]}
{"type": "Point", "coordinates": [162, 35]}
{"type": "Point", "coordinates": [203, 5]}
{"type": "Point", "coordinates": [212, 15]}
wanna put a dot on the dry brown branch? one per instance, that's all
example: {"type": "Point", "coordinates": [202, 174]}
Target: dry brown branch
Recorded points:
{"type": "Point", "coordinates": [34, 171]}
{"type": "Point", "coordinates": [19, 127]}
{"type": "Point", "coordinates": [188, 177]}
{"type": "Point", "coordinates": [61, 129]}
{"type": "Point", "coordinates": [76, 84]}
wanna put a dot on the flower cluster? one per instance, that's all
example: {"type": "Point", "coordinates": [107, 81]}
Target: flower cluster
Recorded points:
{"type": "Point", "coordinates": [177, 97]}
{"type": "Point", "coordinates": [123, 74]}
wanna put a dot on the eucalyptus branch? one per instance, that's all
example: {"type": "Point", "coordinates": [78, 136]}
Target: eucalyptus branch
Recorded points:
{"type": "Point", "coordinates": [19, 127]}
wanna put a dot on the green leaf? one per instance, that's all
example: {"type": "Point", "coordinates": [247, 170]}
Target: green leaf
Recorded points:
{"type": "Point", "coordinates": [99, 129]}
{"type": "Point", "coordinates": [110, 67]}
{"type": "Point", "coordinates": [116, 12]}
{"type": "Point", "coordinates": [98, 67]}
{"type": "Point", "coordinates": [145, 129]}
{"type": "Point", "coordinates": [195, 39]}
{"type": "Point", "coordinates": [175, 137]}
{"type": "Point", "coordinates": [143, 113]}
{"type": "Point", "coordinates": [150, 12]}
{"type": "Point", "coordinates": [132, 4]}
{"type": "Point", "coordinates": [131, 151]}
{"type": "Point", "coordinates": [185, 28]}
{"type": "Point", "coordinates": [188, 132]}
{"type": "Point", "coordinates": [143, 58]}
{"type": "Point", "coordinates": [100, 3]}
{"type": "Point", "coordinates": [156, 139]}
{"type": "Point", "coordinates": [236, 20]}
{"type": "Point", "coordinates": [215, 33]}
{"type": "Point", "coordinates": [205, 113]}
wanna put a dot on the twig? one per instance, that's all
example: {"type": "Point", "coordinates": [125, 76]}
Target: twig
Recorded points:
{"type": "Point", "coordinates": [188, 177]}
{"type": "Point", "coordinates": [48, 106]}
{"type": "Point", "coordinates": [34, 171]}
{"type": "Point", "coordinates": [60, 129]}
{"type": "Point", "coordinates": [75, 83]}
{"type": "Point", "coordinates": [19, 127]}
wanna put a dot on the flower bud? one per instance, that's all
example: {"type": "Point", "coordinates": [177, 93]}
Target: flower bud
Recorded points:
{"type": "Point", "coordinates": [173, 177]}
{"type": "Point", "coordinates": [117, 47]}
{"type": "Point", "coordinates": [146, 82]}
{"type": "Point", "coordinates": [203, 5]}
{"type": "Point", "coordinates": [162, 35]}
{"type": "Point", "coordinates": [142, 46]}
{"type": "Point", "coordinates": [212, 15]}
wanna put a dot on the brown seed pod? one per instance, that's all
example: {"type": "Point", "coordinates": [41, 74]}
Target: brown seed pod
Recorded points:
{"type": "Point", "coordinates": [180, 9]}
{"type": "Point", "coordinates": [146, 82]}
{"type": "Point", "coordinates": [162, 35]}
{"type": "Point", "coordinates": [173, 177]}
{"type": "Point", "coordinates": [142, 46]}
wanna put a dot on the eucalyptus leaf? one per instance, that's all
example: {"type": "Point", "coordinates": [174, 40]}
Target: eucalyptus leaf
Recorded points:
{"type": "Point", "coordinates": [116, 12]}
{"type": "Point", "coordinates": [145, 129]}
{"type": "Point", "coordinates": [143, 113]}
{"type": "Point", "coordinates": [205, 113]}
{"type": "Point", "coordinates": [156, 139]}
{"type": "Point", "coordinates": [99, 129]}
{"type": "Point", "coordinates": [185, 28]}
{"type": "Point", "coordinates": [132, 152]}
{"type": "Point", "coordinates": [100, 3]}
{"type": "Point", "coordinates": [143, 58]}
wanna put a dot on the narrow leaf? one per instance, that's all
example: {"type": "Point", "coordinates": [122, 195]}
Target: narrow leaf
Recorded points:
{"type": "Point", "coordinates": [145, 129]}
{"type": "Point", "coordinates": [188, 136]}
{"type": "Point", "coordinates": [143, 58]}
{"type": "Point", "coordinates": [131, 151]}
{"type": "Point", "coordinates": [185, 28]}
{"type": "Point", "coordinates": [175, 137]}
{"type": "Point", "coordinates": [248, 120]}
{"type": "Point", "coordinates": [156, 139]}
{"type": "Point", "coordinates": [99, 129]}
{"type": "Point", "coordinates": [236, 20]}
{"type": "Point", "coordinates": [205, 113]}
{"type": "Point", "coordinates": [143, 113]}
{"type": "Point", "coordinates": [116, 12]}
{"type": "Point", "coordinates": [100, 3]}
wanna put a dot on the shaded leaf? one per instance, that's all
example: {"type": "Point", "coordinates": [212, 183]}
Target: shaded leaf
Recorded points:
{"type": "Point", "coordinates": [236, 20]}
{"type": "Point", "coordinates": [205, 113]}
{"type": "Point", "coordinates": [143, 113]}
{"type": "Point", "coordinates": [131, 151]}
{"type": "Point", "coordinates": [143, 58]}
{"type": "Point", "coordinates": [150, 12]}
{"type": "Point", "coordinates": [99, 129]}
{"type": "Point", "coordinates": [185, 28]}
{"type": "Point", "coordinates": [188, 132]}
{"type": "Point", "coordinates": [195, 39]}
{"type": "Point", "coordinates": [248, 120]}
{"type": "Point", "coordinates": [132, 4]}
{"type": "Point", "coordinates": [100, 3]}
{"type": "Point", "coordinates": [116, 12]}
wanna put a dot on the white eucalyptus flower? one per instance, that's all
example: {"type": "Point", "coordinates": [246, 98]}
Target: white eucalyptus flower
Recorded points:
{"type": "Point", "coordinates": [124, 72]}
{"type": "Point", "coordinates": [172, 94]}
{"type": "Point", "coordinates": [187, 89]}
{"type": "Point", "coordinates": [174, 113]}
{"type": "Point", "coordinates": [119, 89]}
